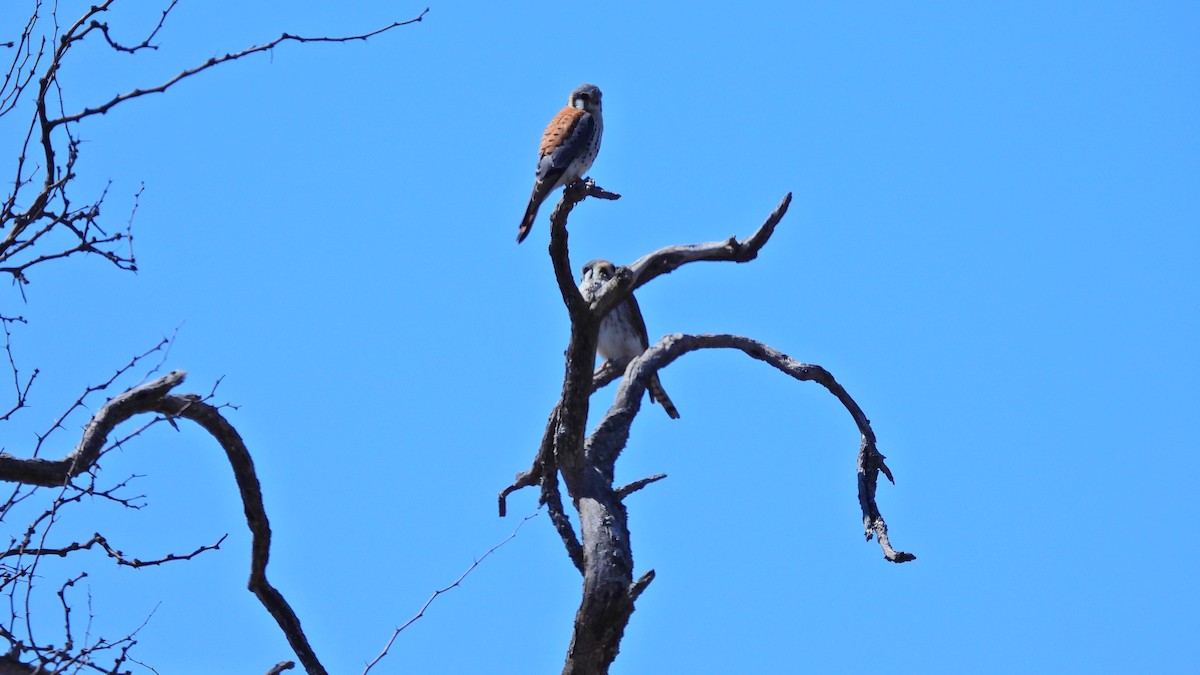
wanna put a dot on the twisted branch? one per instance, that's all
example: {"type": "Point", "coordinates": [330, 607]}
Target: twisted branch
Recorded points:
{"type": "Point", "coordinates": [611, 434]}
{"type": "Point", "coordinates": [155, 397]}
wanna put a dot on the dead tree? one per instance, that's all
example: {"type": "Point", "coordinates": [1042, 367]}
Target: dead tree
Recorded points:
{"type": "Point", "coordinates": [602, 552]}
{"type": "Point", "coordinates": [42, 219]}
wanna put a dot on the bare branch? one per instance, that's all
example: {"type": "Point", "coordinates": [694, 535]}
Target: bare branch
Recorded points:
{"type": "Point", "coordinates": [420, 613]}
{"type": "Point", "coordinates": [613, 431]}
{"type": "Point", "coordinates": [630, 488]}
{"type": "Point", "coordinates": [118, 556]}
{"type": "Point", "coordinates": [42, 185]}
{"type": "Point", "coordinates": [62, 598]}
{"type": "Point", "coordinates": [534, 475]}
{"type": "Point", "coordinates": [20, 390]}
{"type": "Point", "coordinates": [668, 259]}
{"type": "Point", "coordinates": [209, 417]}
{"type": "Point", "coordinates": [640, 585]}
{"type": "Point", "coordinates": [545, 472]}
{"type": "Point", "coordinates": [154, 396]}
{"type": "Point", "coordinates": [551, 497]}
{"type": "Point", "coordinates": [561, 259]}
{"type": "Point", "coordinates": [144, 44]}
{"type": "Point", "coordinates": [10, 664]}
{"type": "Point", "coordinates": [218, 60]}
{"type": "Point", "coordinates": [606, 373]}
{"type": "Point", "coordinates": [37, 471]}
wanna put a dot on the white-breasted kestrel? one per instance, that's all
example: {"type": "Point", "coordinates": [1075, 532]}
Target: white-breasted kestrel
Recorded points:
{"type": "Point", "coordinates": [623, 332]}
{"type": "Point", "coordinates": [569, 146]}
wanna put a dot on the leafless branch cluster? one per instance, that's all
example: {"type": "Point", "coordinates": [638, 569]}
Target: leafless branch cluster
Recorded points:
{"type": "Point", "coordinates": [153, 398]}
{"type": "Point", "coordinates": [602, 551]}
{"type": "Point", "coordinates": [23, 573]}
{"type": "Point", "coordinates": [42, 218]}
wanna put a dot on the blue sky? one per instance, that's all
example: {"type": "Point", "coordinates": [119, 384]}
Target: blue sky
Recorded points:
{"type": "Point", "coordinates": [992, 247]}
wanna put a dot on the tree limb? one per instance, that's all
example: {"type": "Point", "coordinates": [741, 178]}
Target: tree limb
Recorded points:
{"type": "Point", "coordinates": [630, 488]}
{"type": "Point", "coordinates": [611, 434]}
{"type": "Point", "coordinates": [559, 256]}
{"type": "Point", "coordinates": [217, 60]}
{"type": "Point", "coordinates": [670, 258]}
{"type": "Point", "coordinates": [545, 472]}
{"type": "Point", "coordinates": [155, 397]}
{"type": "Point", "coordinates": [52, 473]}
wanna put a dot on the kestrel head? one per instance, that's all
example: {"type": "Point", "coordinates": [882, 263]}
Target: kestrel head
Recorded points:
{"type": "Point", "coordinates": [586, 97]}
{"type": "Point", "coordinates": [598, 270]}
{"type": "Point", "coordinates": [595, 273]}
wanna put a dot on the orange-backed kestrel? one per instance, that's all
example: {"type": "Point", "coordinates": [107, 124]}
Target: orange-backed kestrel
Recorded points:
{"type": "Point", "coordinates": [623, 332]}
{"type": "Point", "coordinates": [569, 146]}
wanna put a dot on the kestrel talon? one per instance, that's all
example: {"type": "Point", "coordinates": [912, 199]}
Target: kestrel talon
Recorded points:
{"type": "Point", "coordinates": [569, 146]}
{"type": "Point", "coordinates": [623, 332]}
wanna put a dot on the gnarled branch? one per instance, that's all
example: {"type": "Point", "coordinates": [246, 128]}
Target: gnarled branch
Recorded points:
{"type": "Point", "coordinates": [670, 258]}
{"type": "Point", "coordinates": [155, 397]}
{"type": "Point", "coordinates": [611, 434]}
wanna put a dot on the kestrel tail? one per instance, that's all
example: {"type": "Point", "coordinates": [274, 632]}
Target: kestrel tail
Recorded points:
{"type": "Point", "coordinates": [623, 332]}
{"type": "Point", "coordinates": [569, 146]}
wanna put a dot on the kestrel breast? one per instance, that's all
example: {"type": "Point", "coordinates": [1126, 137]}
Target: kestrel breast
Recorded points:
{"type": "Point", "coordinates": [619, 340]}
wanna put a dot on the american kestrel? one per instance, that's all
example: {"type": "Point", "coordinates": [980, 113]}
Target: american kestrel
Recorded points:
{"type": "Point", "coordinates": [569, 146]}
{"type": "Point", "coordinates": [623, 332]}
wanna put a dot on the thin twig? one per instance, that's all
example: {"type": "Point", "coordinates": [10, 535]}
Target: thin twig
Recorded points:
{"type": "Point", "coordinates": [438, 592]}
{"type": "Point", "coordinates": [218, 60]}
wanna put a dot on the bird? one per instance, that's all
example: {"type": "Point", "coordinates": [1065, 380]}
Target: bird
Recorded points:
{"type": "Point", "coordinates": [623, 331]}
{"type": "Point", "coordinates": [569, 146]}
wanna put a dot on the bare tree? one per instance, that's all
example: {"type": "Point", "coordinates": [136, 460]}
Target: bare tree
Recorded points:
{"type": "Point", "coordinates": [42, 219]}
{"type": "Point", "coordinates": [604, 554]}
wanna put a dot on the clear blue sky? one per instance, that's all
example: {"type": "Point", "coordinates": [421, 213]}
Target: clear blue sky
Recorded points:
{"type": "Point", "coordinates": [992, 246]}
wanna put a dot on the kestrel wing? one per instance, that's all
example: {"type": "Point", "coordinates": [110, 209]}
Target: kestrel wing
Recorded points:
{"type": "Point", "coordinates": [639, 324]}
{"type": "Point", "coordinates": [567, 136]}
{"type": "Point", "coordinates": [657, 393]}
